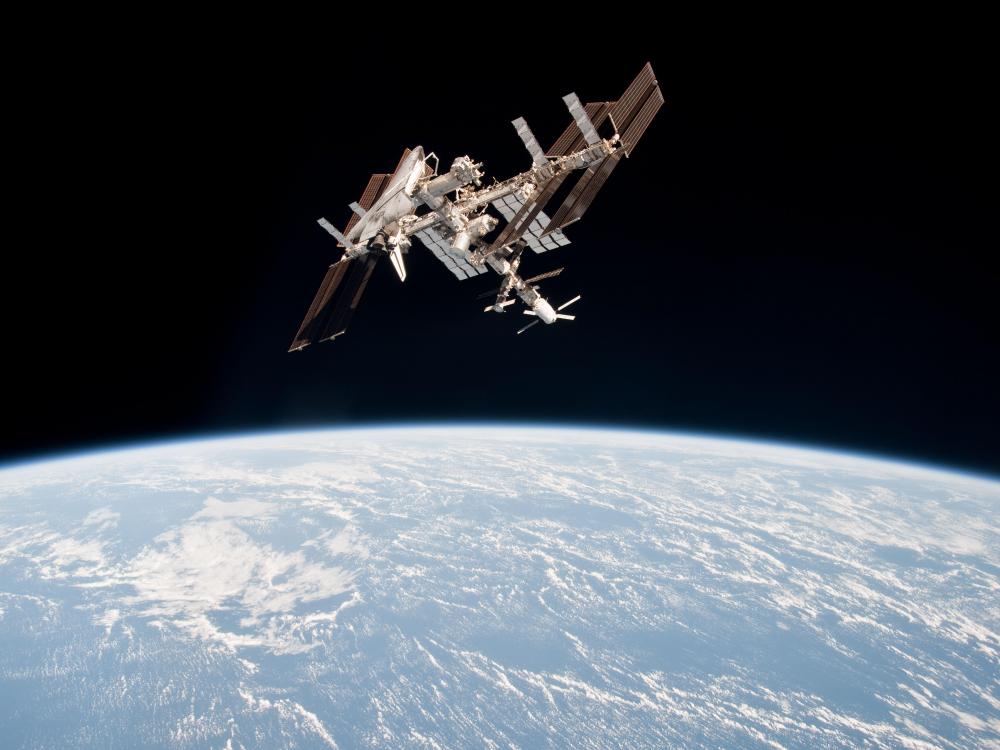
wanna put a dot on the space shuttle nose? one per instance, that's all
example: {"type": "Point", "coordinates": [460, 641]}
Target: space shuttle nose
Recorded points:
{"type": "Point", "coordinates": [544, 310]}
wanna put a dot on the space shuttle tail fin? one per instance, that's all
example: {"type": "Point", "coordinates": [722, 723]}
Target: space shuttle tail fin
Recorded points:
{"type": "Point", "coordinates": [396, 258]}
{"type": "Point", "coordinates": [376, 184]}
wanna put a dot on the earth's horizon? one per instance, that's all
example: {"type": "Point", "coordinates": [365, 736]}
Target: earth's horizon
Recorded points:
{"type": "Point", "coordinates": [456, 585]}
{"type": "Point", "coordinates": [803, 446]}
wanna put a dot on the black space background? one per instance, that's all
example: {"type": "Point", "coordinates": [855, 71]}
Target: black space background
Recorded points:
{"type": "Point", "coordinates": [802, 247]}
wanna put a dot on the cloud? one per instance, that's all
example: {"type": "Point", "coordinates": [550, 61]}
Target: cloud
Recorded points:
{"type": "Point", "coordinates": [210, 572]}
{"type": "Point", "coordinates": [247, 508]}
{"type": "Point", "coordinates": [103, 518]}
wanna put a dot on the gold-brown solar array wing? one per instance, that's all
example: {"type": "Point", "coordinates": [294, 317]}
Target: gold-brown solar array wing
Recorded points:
{"type": "Point", "coordinates": [631, 115]}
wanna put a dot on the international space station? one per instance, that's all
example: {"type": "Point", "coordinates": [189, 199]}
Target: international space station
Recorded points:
{"type": "Point", "coordinates": [448, 212]}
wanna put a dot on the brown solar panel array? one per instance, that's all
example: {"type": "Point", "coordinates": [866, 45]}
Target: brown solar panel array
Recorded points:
{"type": "Point", "coordinates": [637, 106]}
{"type": "Point", "coordinates": [335, 302]}
{"type": "Point", "coordinates": [583, 193]}
{"type": "Point", "coordinates": [546, 275]}
{"type": "Point", "coordinates": [346, 301]}
{"type": "Point", "coordinates": [634, 96]}
{"type": "Point", "coordinates": [631, 114]}
{"type": "Point", "coordinates": [572, 139]}
{"type": "Point", "coordinates": [312, 324]}
{"type": "Point", "coordinates": [376, 184]}
{"type": "Point", "coordinates": [642, 120]}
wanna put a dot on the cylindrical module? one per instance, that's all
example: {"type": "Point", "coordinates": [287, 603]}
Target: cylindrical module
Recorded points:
{"type": "Point", "coordinates": [544, 310]}
{"type": "Point", "coordinates": [472, 231]}
{"type": "Point", "coordinates": [463, 171]}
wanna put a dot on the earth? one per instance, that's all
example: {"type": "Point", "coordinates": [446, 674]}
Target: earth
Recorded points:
{"type": "Point", "coordinates": [514, 587]}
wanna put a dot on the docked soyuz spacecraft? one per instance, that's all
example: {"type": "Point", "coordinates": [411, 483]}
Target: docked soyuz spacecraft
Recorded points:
{"type": "Point", "coordinates": [448, 212]}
